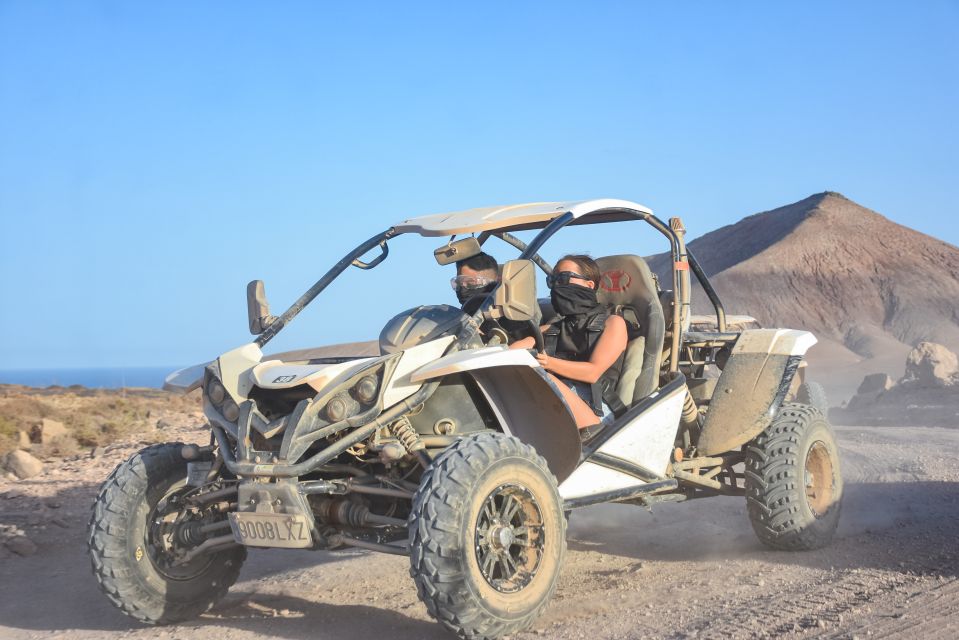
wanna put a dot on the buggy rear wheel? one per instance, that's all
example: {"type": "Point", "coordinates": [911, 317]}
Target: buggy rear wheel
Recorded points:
{"type": "Point", "coordinates": [487, 536]}
{"type": "Point", "coordinates": [793, 483]}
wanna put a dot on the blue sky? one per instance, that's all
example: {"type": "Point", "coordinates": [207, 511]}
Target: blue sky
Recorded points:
{"type": "Point", "coordinates": [154, 157]}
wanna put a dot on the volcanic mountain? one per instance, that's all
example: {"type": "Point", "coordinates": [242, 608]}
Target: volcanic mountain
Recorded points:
{"type": "Point", "coordinates": [869, 288]}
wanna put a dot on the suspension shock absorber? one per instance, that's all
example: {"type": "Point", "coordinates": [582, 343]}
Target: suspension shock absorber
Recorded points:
{"type": "Point", "coordinates": [403, 431]}
{"type": "Point", "coordinates": [691, 420]}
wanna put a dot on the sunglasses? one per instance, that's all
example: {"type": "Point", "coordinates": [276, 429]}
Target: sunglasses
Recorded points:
{"type": "Point", "coordinates": [563, 278]}
{"type": "Point", "coordinates": [460, 282]}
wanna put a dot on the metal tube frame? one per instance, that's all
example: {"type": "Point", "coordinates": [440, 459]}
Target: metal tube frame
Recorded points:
{"type": "Point", "coordinates": [246, 466]}
{"type": "Point", "coordinates": [677, 257]}
{"type": "Point", "coordinates": [351, 258]}
{"type": "Point", "coordinates": [677, 253]}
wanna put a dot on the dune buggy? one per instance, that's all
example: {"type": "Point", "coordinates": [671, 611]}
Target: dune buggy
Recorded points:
{"type": "Point", "coordinates": [459, 452]}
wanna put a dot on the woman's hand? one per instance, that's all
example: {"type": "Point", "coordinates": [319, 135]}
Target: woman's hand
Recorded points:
{"type": "Point", "coordinates": [543, 360]}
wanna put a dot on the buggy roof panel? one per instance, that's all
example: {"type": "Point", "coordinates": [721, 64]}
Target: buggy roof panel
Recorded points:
{"type": "Point", "coordinates": [533, 215]}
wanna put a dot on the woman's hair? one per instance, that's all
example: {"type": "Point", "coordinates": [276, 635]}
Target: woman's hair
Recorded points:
{"type": "Point", "coordinates": [587, 267]}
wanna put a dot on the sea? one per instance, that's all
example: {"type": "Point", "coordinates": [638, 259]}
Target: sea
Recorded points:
{"type": "Point", "coordinates": [94, 378]}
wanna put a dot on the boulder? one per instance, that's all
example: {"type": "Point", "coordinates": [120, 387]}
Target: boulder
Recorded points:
{"type": "Point", "coordinates": [22, 464]}
{"type": "Point", "coordinates": [875, 383]}
{"type": "Point", "coordinates": [931, 365]}
{"type": "Point", "coordinates": [46, 431]}
{"type": "Point", "coordinates": [21, 545]}
{"type": "Point", "coordinates": [871, 387]}
{"type": "Point", "coordinates": [23, 440]}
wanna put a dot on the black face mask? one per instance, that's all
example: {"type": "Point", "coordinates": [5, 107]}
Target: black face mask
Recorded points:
{"type": "Point", "coordinates": [465, 294]}
{"type": "Point", "coordinates": [573, 300]}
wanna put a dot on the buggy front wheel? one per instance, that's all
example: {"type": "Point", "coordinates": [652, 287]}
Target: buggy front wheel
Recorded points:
{"type": "Point", "coordinates": [487, 536]}
{"type": "Point", "coordinates": [130, 543]}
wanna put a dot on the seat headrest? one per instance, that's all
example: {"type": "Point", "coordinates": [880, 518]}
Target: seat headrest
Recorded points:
{"type": "Point", "coordinates": [626, 280]}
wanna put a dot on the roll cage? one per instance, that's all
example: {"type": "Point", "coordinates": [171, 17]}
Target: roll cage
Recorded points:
{"type": "Point", "coordinates": [550, 218]}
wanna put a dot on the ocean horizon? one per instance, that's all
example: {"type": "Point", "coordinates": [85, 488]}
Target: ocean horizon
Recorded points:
{"type": "Point", "coordinates": [91, 377]}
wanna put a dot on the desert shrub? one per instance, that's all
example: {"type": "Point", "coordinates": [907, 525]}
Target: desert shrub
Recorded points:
{"type": "Point", "coordinates": [61, 446]}
{"type": "Point", "coordinates": [23, 409]}
{"type": "Point", "coordinates": [8, 435]}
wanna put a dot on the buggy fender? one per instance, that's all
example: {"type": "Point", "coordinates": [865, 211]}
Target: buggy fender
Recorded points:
{"type": "Point", "coordinates": [523, 398]}
{"type": "Point", "coordinates": [528, 405]}
{"type": "Point", "coordinates": [752, 387]}
{"type": "Point", "coordinates": [185, 380]}
{"type": "Point", "coordinates": [473, 359]}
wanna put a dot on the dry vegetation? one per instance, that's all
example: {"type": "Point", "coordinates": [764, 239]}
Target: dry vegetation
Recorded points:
{"type": "Point", "coordinates": [92, 417]}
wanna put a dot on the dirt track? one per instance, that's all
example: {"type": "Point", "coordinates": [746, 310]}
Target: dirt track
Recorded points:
{"type": "Point", "coordinates": [686, 570]}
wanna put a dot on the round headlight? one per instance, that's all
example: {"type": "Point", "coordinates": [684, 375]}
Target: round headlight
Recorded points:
{"type": "Point", "coordinates": [366, 389]}
{"type": "Point", "coordinates": [340, 407]}
{"type": "Point", "coordinates": [215, 391]}
{"type": "Point", "coordinates": [230, 410]}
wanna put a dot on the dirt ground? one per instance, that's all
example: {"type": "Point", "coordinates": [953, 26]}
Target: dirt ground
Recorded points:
{"type": "Point", "coordinates": [692, 570]}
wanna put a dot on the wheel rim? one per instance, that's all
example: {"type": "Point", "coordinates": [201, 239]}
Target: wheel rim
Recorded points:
{"type": "Point", "coordinates": [159, 538]}
{"type": "Point", "coordinates": [510, 538]}
{"type": "Point", "coordinates": [819, 481]}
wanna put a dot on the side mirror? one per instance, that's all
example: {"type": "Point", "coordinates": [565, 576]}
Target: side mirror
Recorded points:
{"type": "Point", "coordinates": [456, 251]}
{"type": "Point", "coordinates": [257, 308]}
{"type": "Point", "coordinates": [515, 297]}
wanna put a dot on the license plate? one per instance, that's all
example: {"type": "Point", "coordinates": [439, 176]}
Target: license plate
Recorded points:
{"type": "Point", "coordinates": [271, 530]}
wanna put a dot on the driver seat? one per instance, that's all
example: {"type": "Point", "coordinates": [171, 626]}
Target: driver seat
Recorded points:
{"type": "Point", "coordinates": [627, 286]}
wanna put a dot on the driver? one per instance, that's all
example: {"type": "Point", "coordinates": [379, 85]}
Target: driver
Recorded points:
{"type": "Point", "coordinates": [476, 276]}
{"type": "Point", "coordinates": [583, 344]}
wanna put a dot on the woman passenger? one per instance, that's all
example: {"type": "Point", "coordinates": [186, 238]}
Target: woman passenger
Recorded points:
{"type": "Point", "coordinates": [583, 343]}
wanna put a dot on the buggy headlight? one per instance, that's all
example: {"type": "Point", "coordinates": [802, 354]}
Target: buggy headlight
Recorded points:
{"type": "Point", "coordinates": [340, 407]}
{"type": "Point", "coordinates": [365, 390]}
{"type": "Point", "coordinates": [215, 391]}
{"type": "Point", "coordinates": [230, 410]}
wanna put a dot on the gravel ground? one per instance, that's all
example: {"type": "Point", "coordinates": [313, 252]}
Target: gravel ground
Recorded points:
{"type": "Point", "coordinates": [691, 570]}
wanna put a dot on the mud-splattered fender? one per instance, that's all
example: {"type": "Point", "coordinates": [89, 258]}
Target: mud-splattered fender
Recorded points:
{"type": "Point", "coordinates": [752, 387]}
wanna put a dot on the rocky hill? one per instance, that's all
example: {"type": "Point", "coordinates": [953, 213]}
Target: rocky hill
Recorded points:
{"type": "Point", "coordinates": [869, 288]}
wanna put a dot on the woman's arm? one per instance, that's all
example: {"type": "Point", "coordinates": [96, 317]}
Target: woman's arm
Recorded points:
{"type": "Point", "coordinates": [611, 344]}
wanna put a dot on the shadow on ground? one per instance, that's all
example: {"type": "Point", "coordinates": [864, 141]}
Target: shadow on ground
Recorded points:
{"type": "Point", "coordinates": [884, 516]}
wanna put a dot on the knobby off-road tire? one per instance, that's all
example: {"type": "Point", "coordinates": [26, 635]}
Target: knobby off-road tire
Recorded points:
{"type": "Point", "coordinates": [814, 394]}
{"type": "Point", "coordinates": [483, 497]}
{"type": "Point", "coordinates": [793, 483]}
{"type": "Point", "coordinates": [124, 558]}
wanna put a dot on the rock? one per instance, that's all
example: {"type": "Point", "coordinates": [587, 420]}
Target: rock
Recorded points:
{"type": "Point", "coordinates": [97, 452]}
{"type": "Point", "coordinates": [875, 383]}
{"type": "Point", "coordinates": [931, 365]}
{"type": "Point", "coordinates": [22, 464]}
{"type": "Point", "coordinates": [871, 387]}
{"type": "Point", "coordinates": [163, 424]}
{"type": "Point", "coordinates": [23, 440]}
{"type": "Point", "coordinates": [46, 431]}
{"type": "Point", "coordinates": [21, 545]}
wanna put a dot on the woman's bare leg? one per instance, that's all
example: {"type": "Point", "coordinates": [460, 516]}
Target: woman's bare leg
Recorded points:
{"type": "Point", "coordinates": [582, 412]}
